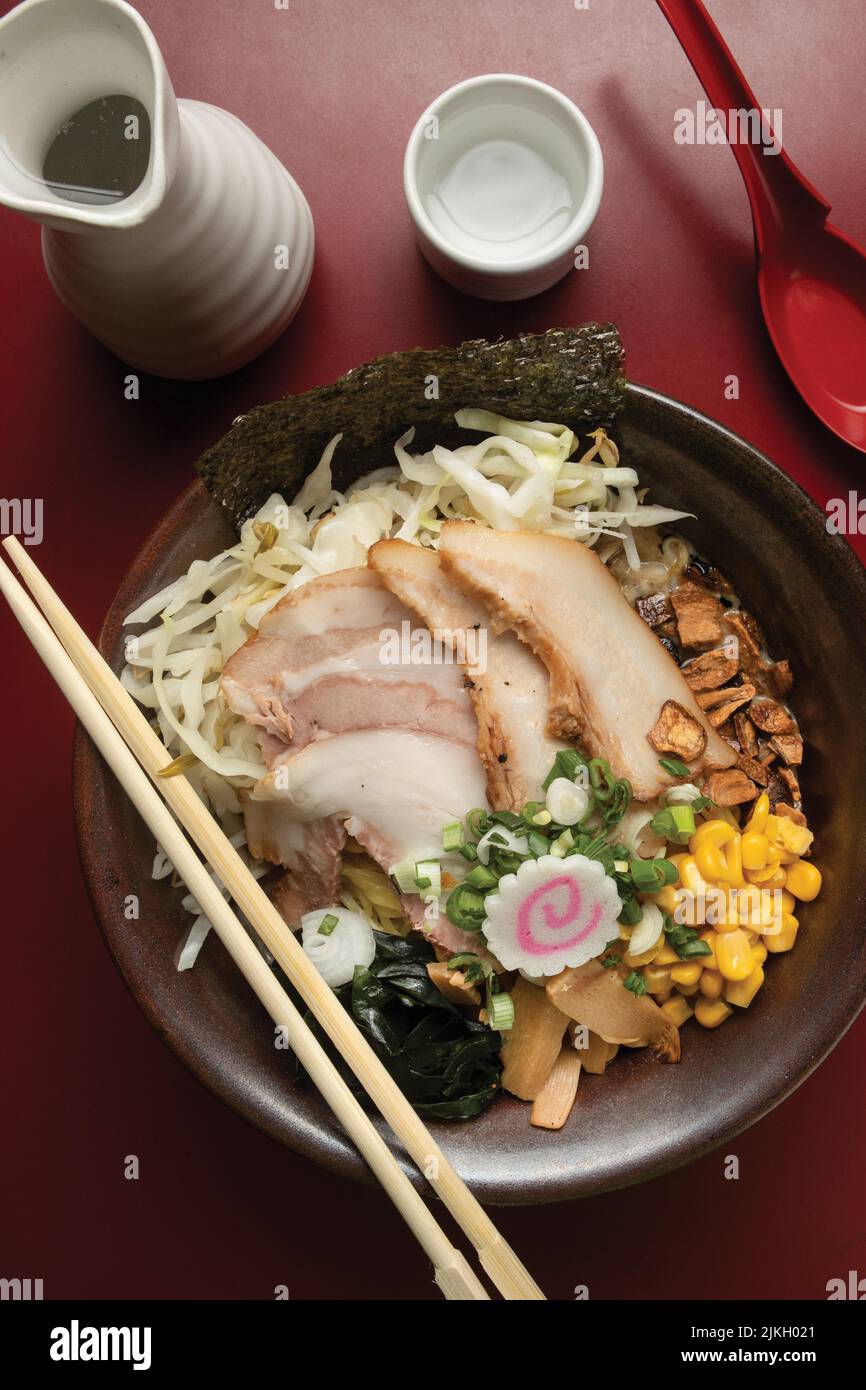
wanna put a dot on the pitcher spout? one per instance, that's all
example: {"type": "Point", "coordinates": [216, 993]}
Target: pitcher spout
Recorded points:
{"type": "Point", "coordinates": [89, 126]}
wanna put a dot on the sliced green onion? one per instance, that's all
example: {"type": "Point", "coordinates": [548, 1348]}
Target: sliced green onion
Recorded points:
{"type": "Point", "coordinates": [538, 844]}
{"type": "Point", "coordinates": [509, 819]}
{"type": "Point", "coordinates": [327, 924]}
{"type": "Point", "coordinates": [481, 878]}
{"type": "Point", "coordinates": [473, 967]}
{"type": "Point", "coordinates": [619, 803]}
{"type": "Point", "coordinates": [562, 845]}
{"type": "Point", "coordinates": [631, 913]}
{"type": "Point", "coordinates": [507, 861]}
{"type": "Point", "coordinates": [465, 908]}
{"type": "Point", "coordinates": [565, 764]}
{"type": "Point", "coordinates": [609, 962]}
{"type": "Point", "coordinates": [428, 875]}
{"type": "Point", "coordinates": [453, 837]}
{"type": "Point", "coordinates": [469, 852]}
{"type": "Point", "coordinates": [675, 823]}
{"type": "Point", "coordinates": [542, 817]}
{"type": "Point", "coordinates": [621, 866]}
{"type": "Point", "coordinates": [477, 822]}
{"type": "Point", "coordinates": [601, 779]}
{"type": "Point", "coordinates": [675, 767]}
{"type": "Point", "coordinates": [690, 950]}
{"type": "Point", "coordinates": [404, 875]}
{"type": "Point", "coordinates": [500, 1012]}
{"type": "Point", "coordinates": [649, 875]}
{"type": "Point", "coordinates": [635, 983]}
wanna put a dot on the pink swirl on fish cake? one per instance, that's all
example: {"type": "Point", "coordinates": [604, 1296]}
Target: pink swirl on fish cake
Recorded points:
{"type": "Point", "coordinates": [555, 919]}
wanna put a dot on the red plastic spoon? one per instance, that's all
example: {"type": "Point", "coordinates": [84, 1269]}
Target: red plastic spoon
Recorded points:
{"type": "Point", "coordinates": [811, 278]}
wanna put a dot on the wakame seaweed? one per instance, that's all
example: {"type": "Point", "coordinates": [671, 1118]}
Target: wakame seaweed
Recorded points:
{"type": "Point", "coordinates": [571, 375]}
{"type": "Point", "coordinates": [447, 1065]}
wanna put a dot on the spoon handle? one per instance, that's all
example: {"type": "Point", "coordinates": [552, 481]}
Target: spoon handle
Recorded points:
{"type": "Point", "coordinates": [778, 192]}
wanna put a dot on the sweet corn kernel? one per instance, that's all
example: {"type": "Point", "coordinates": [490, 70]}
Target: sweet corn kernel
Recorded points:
{"type": "Point", "coordinates": [734, 861]}
{"type": "Point", "coordinates": [666, 956]}
{"type": "Point", "coordinates": [764, 876]}
{"type": "Point", "coordinates": [711, 1012]}
{"type": "Point", "coordinates": [796, 839]}
{"type": "Point", "coordinates": [658, 978]}
{"type": "Point", "coordinates": [663, 995]}
{"type": "Point", "coordinates": [643, 957]}
{"type": "Point", "coordinates": [691, 876]}
{"type": "Point", "coordinates": [666, 900]}
{"type": "Point", "coordinates": [757, 908]}
{"type": "Point", "coordinates": [711, 862]}
{"type": "Point", "coordinates": [677, 1010]}
{"type": "Point", "coordinates": [724, 916]}
{"type": "Point", "coordinates": [712, 984]}
{"type": "Point", "coordinates": [755, 849]}
{"type": "Point", "coordinates": [804, 881]}
{"type": "Point", "coordinates": [787, 901]}
{"type": "Point", "coordinates": [783, 940]}
{"type": "Point", "coordinates": [687, 990]}
{"type": "Point", "coordinates": [758, 819]}
{"type": "Point", "coordinates": [759, 951]}
{"type": "Point", "coordinates": [709, 962]}
{"type": "Point", "coordinates": [742, 992]}
{"type": "Point", "coordinates": [734, 955]}
{"type": "Point", "coordinates": [712, 832]}
{"type": "Point", "coordinates": [688, 972]}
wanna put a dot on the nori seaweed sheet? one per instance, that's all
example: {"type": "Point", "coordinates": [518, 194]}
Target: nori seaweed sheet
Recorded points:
{"type": "Point", "coordinates": [571, 375]}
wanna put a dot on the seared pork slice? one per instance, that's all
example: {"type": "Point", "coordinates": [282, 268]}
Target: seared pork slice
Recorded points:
{"type": "Point", "coordinates": [612, 684]}
{"type": "Point", "coordinates": [441, 930]}
{"type": "Point", "coordinates": [311, 854]}
{"type": "Point", "coordinates": [509, 686]}
{"type": "Point", "coordinates": [393, 790]}
{"type": "Point", "coordinates": [330, 658]}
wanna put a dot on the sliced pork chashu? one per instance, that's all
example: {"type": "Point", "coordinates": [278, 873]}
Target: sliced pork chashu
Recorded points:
{"type": "Point", "coordinates": [311, 853]}
{"type": "Point", "coordinates": [611, 680]}
{"type": "Point", "coordinates": [322, 663]}
{"type": "Point", "coordinates": [509, 686]}
{"type": "Point", "coordinates": [391, 789]}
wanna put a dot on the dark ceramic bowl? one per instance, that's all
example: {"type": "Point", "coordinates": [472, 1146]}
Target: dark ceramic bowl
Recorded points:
{"type": "Point", "coordinates": [643, 1117]}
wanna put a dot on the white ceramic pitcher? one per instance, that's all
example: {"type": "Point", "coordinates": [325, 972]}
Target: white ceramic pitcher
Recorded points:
{"type": "Point", "coordinates": [203, 265]}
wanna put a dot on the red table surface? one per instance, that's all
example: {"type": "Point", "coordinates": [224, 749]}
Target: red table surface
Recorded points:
{"type": "Point", "coordinates": [334, 87]}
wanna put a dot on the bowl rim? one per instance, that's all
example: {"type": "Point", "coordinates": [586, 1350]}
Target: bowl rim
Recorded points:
{"type": "Point", "coordinates": [305, 1135]}
{"type": "Point", "coordinates": [581, 220]}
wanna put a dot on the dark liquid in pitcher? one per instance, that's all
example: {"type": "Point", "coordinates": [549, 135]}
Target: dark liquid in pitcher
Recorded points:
{"type": "Point", "coordinates": [100, 155]}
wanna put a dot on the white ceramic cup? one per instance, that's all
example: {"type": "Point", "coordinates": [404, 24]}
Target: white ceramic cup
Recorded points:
{"type": "Point", "coordinates": [503, 177]}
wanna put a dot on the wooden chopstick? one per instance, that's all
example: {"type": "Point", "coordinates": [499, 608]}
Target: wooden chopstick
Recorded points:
{"type": "Point", "coordinates": [497, 1258]}
{"type": "Point", "coordinates": [451, 1271]}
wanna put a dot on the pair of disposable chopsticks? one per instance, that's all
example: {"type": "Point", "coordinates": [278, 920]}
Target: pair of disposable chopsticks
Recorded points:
{"type": "Point", "coordinates": [135, 754]}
